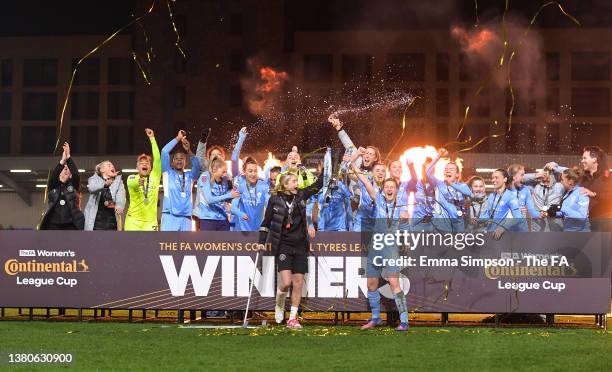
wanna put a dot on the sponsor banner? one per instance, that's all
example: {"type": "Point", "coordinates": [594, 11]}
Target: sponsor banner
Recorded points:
{"type": "Point", "coordinates": [522, 272]}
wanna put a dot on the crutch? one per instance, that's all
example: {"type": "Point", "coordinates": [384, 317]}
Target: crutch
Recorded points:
{"type": "Point", "coordinates": [246, 312]}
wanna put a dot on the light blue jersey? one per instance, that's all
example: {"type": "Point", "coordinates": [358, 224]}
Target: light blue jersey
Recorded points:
{"type": "Point", "coordinates": [503, 211]}
{"type": "Point", "coordinates": [252, 203]}
{"type": "Point", "coordinates": [523, 195]}
{"type": "Point", "coordinates": [575, 211]}
{"type": "Point", "coordinates": [334, 208]}
{"type": "Point", "coordinates": [177, 185]}
{"type": "Point", "coordinates": [388, 213]}
{"type": "Point", "coordinates": [366, 210]}
{"type": "Point", "coordinates": [253, 198]}
{"type": "Point", "coordinates": [212, 196]}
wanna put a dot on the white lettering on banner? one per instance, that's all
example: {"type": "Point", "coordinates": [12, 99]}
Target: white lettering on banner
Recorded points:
{"type": "Point", "coordinates": [227, 276]}
{"type": "Point", "coordinates": [330, 281]}
{"type": "Point", "coordinates": [177, 281]}
{"type": "Point", "coordinates": [354, 281]}
{"type": "Point", "coordinates": [328, 277]}
{"type": "Point", "coordinates": [264, 283]}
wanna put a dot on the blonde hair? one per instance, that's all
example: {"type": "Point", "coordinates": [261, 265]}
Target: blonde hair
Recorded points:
{"type": "Point", "coordinates": [279, 188]}
{"type": "Point", "coordinates": [100, 165]}
{"type": "Point", "coordinates": [215, 164]}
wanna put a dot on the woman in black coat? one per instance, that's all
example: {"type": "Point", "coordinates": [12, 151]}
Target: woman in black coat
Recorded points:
{"type": "Point", "coordinates": [63, 197]}
{"type": "Point", "coordinates": [284, 227]}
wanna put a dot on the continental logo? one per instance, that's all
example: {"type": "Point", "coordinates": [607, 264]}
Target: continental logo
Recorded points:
{"type": "Point", "coordinates": [494, 272]}
{"type": "Point", "coordinates": [14, 267]}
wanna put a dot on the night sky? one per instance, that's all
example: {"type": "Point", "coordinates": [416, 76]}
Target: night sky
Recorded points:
{"type": "Point", "coordinates": [40, 17]}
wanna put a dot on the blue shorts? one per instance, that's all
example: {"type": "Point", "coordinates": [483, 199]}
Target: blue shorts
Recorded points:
{"type": "Point", "coordinates": [170, 222]}
{"type": "Point", "coordinates": [376, 265]}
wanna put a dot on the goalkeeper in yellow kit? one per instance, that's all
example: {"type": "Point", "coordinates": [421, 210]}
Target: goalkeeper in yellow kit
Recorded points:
{"type": "Point", "coordinates": [144, 189]}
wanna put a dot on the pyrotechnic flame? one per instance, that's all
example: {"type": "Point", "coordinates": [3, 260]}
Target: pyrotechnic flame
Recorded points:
{"type": "Point", "coordinates": [418, 156]}
{"type": "Point", "coordinates": [271, 80]}
{"type": "Point", "coordinates": [262, 92]}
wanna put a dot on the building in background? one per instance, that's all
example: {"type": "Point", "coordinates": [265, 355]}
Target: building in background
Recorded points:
{"type": "Point", "coordinates": [324, 46]}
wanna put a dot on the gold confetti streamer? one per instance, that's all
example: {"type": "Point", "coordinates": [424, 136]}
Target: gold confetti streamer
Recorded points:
{"type": "Point", "coordinates": [410, 103]}
{"type": "Point", "coordinates": [512, 54]}
{"type": "Point", "coordinates": [177, 42]}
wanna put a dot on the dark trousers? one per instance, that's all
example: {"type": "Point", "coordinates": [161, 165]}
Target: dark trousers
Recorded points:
{"type": "Point", "coordinates": [214, 225]}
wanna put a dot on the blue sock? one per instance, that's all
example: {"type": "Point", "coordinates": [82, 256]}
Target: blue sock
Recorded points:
{"type": "Point", "coordinates": [374, 300]}
{"type": "Point", "coordinates": [402, 308]}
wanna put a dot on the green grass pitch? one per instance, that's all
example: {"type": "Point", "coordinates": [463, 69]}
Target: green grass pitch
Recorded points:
{"type": "Point", "coordinates": [146, 347]}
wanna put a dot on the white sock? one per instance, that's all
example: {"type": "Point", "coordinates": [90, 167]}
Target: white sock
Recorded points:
{"type": "Point", "coordinates": [294, 310]}
{"type": "Point", "coordinates": [280, 298]}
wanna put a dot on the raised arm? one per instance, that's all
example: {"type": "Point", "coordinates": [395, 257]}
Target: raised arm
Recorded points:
{"type": "Point", "coordinates": [201, 149]}
{"type": "Point", "coordinates": [411, 185]}
{"type": "Point", "coordinates": [156, 171]}
{"type": "Point", "coordinates": [432, 166]}
{"type": "Point", "coordinates": [368, 186]}
{"type": "Point", "coordinates": [462, 188]}
{"type": "Point", "coordinates": [236, 153]}
{"type": "Point", "coordinates": [313, 189]}
{"type": "Point", "coordinates": [165, 152]}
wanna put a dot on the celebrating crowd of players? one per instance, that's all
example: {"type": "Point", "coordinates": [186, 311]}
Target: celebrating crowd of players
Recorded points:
{"type": "Point", "coordinates": [289, 204]}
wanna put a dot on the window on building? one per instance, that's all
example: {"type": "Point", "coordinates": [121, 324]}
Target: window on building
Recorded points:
{"type": "Point", "coordinates": [6, 73]}
{"type": "Point", "coordinates": [84, 140]}
{"type": "Point", "coordinates": [120, 139]}
{"type": "Point", "coordinates": [406, 67]}
{"type": "Point", "coordinates": [180, 97]}
{"type": "Point", "coordinates": [442, 66]}
{"type": "Point", "coordinates": [84, 105]}
{"type": "Point", "coordinates": [479, 105]}
{"type": "Point", "coordinates": [235, 95]}
{"type": "Point", "coordinates": [553, 101]}
{"type": "Point", "coordinates": [524, 102]}
{"type": "Point", "coordinates": [40, 72]}
{"type": "Point", "coordinates": [180, 62]}
{"type": "Point", "coordinates": [442, 102]}
{"type": "Point", "coordinates": [5, 140]}
{"type": "Point", "coordinates": [6, 103]}
{"type": "Point", "coordinates": [590, 66]}
{"type": "Point", "coordinates": [553, 138]}
{"type": "Point", "coordinates": [591, 101]}
{"type": "Point", "coordinates": [120, 71]}
{"type": "Point", "coordinates": [318, 68]}
{"type": "Point", "coordinates": [121, 105]}
{"type": "Point", "coordinates": [39, 106]}
{"type": "Point", "coordinates": [236, 60]}
{"type": "Point", "coordinates": [441, 132]}
{"type": "Point", "coordinates": [553, 66]}
{"type": "Point", "coordinates": [236, 24]}
{"type": "Point", "coordinates": [88, 72]}
{"type": "Point", "coordinates": [470, 69]}
{"type": "Point", "coordinates": [356, 67]}
{"type": "Point", "coordinates": [589, 134]}
{"type": "Point", "coordinates": [37, 140]}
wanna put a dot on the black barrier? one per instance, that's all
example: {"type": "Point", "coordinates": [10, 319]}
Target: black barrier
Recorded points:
{"type": "Point", "coordinates": [212, 270]}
